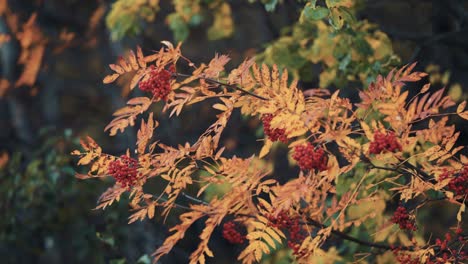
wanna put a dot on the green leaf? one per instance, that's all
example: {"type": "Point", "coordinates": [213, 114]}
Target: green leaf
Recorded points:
{"type": "Point", "coordinates": [336, 19]}
{"type": "Point", "coordinates": [345, 62]}
{"type": "Point", "coordinates": [178, 26]}
{"type": "Point", "coordinates": [196, 20]}
{"type": "Point", "coordinates": [347, 15]}
{"type": "Point", "coordinates": [108, 240]}
{"type": "Point", "coordinates": [118, 261]}
{"type": "Point", "coordinates": [270, 5]}
{"type": "Point", "coordinates": [332, 3]}
{"type": "Point", "coordinates": [144, 260]}
{"type": "Point", "coordinates": [313, 3]}
{"type": "Point", "coordinates": [363, 47]}
{"type": "Point", "coordinates": [316, 13]}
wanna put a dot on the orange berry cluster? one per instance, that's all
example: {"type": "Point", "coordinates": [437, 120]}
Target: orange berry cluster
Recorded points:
{"type": "Point", "coordinates": [124, 171]}
{"type": "Point", "coordinates": [384, 142]}
{"type": "Point", "coordinates": [273, 134]}
{"type": "Point", "coordinates": [293, 227]}
{"type": "Point", "coordinates": [231, 233]}
{"type": "Point", "coordinates": [158, 83]}
{"type": "Point", "coordinates": [459, 182]}
{"type": "Point", "coordinates": [402, 218]}
{"type": "Point", "coordinates": [309, 158]}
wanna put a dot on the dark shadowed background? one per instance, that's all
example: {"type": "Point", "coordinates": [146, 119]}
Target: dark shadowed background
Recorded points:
{"type": "Point", "coordinates": [46, 214]}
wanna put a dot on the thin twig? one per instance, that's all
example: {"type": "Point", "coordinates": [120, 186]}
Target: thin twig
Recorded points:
{"type": "Point", "coordinates": [194, 199]}
{"type": "Point", "coordinates": [232, 86]}
{"type": "Point", "coordinates": [312, 222]}
{"type": "Point", "coordinates": [357, 240]}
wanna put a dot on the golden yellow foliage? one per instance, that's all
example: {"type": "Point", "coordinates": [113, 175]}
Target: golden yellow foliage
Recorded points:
{"type": "Point", "coordinates": [354, 157]}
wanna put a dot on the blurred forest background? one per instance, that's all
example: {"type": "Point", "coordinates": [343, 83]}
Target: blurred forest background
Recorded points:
{"type": "Point", "coordinates": [53, 55]}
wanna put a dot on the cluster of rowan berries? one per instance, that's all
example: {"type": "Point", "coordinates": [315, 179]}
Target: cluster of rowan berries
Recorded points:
{"type": "Point", "coordinates": [296, 236]}
{"type": "Point", "coordinates": [384, 142]}
{"type": "Point", "coordinates": [231, 233]}
{"type": "Point", "coordinates": [459, 182]}
{"type": "Point", "coordinates": [124, 171]}
{"type": "Point", "coordinates": [443, 243]}
{"type": "Point", "coordinates": [309, 158]}
{"type": "Point", "coordinates": [449, 254]}
{"type": "Point", "coordinates": [460, 257]}
{"type": "Point", "coordinates": [158, 83]}
{"type": "Point", "coordinates": [273, 134]}
{"type": "Point", "coordinates": [293, 227]}
{"type": "Point", "coordinates": [403, 219]}
{"type": "Point", "coordinates": [282, 220]}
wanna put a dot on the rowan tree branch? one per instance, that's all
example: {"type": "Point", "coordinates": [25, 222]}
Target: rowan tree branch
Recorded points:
{"type": "Point", "coordinates": [316, 224]}
{"type": "Point", "coordinates": [232, 86]}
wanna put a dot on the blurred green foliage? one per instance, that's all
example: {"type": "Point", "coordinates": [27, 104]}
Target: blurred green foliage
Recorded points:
{"type": "Point", "coordinates": [348, 50]}
{"type": "Point", "coordinates": [47, 214]}
{"type": "Point", "coordinates": [326, 34]}
{"type": "Point", "coordinates": [126, 17]}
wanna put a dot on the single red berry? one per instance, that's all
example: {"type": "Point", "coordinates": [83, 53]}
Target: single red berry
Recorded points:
{"type": "Point", "coordinates": [309, 158]}
{"type": "Point", "coordinates": [124, 171]}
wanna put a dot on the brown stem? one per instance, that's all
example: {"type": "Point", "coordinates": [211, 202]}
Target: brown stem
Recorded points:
{"type": "Point", "coordinates": [357, 240]}
{"type": "Point", "coordinates": [316, 224]}
{"type": "Point", "coordinates": [232, 86]}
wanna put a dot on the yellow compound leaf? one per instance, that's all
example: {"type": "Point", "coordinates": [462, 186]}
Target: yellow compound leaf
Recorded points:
{"type": "Point", "coordinates": [461, 107]}
{"type": "Point", "coordinates": [151, 209]}
{"type": "Point", "coordinates": [126, 116]}
{"type": "Point", "coordinates": [86, 159]}
{"type": "Point", "coordinates": [133, 60]}
{"type": "Point", "coordinates": [463, 115]}
{"type": "Point", "coordinates": [110, 78]}
{"type": "Point", "coordinates": [460, 212]}
{"type": "Point", "coordinates": [137, 78]}
{"type": "Point", "coordinates": [431, 151]}
{"type": "Point", "coordinates": [141, 57]}
{"type": "Point", "coordinates": [117, 68]}
{"type": "Point", "coordinates": [220, 107]}
{"type": "Point", "coordinates": [425, 88]}
{"type": "Point", "coordinates": [266, 148]}
{"type": "Point", "coordinates": [367, 131]}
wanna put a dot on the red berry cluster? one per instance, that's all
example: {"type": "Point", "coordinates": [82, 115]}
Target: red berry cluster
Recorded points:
{"type": "Point", "coordinates": [231, 233]}
{"type": "Point", "coordinates": [296, 236]}
{"type": "Point", "coordinates": [158, 83]}
{"type": "Point", "coordinates": [449, 255]}
{"type": "Point", "coordinates": [124, 170]}
{"type": "Point", "coordinates": [273, 134]}
{"type": "Point", "coordinates": [292, 225]}
{"type": "Point", "coordinates": [402, 218]}
{"type": "Point", "coordinates": [309, 158]}
{"type": "Point", "coordinates": [282, 220]}
{"type": "Point", "coordinates": [459, 182]}
{"type": "Point", "coordinates": [443, 243]}
{"type": "Point", "coordinates": [384, 142]}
